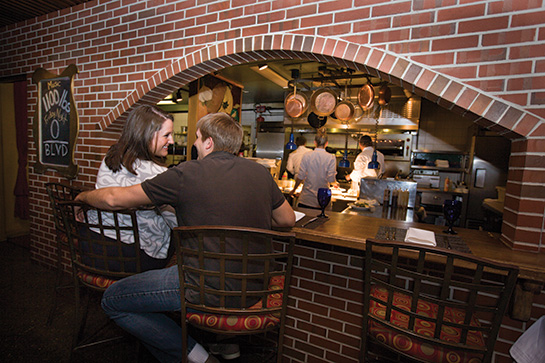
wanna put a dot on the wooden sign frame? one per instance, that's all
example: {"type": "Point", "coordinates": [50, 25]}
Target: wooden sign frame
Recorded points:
{"type": "Point", "coordinates": [56, 121]}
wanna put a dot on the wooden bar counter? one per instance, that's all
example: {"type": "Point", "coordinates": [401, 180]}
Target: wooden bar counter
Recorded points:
{"type": "Point", "coordinates": [326, 293]}
{"type": "Point", "coordinates": [351, 230]}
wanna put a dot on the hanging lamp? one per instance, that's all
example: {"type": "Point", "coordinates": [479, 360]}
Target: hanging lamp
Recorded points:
{"type": "Point", "coordinates": [291, 144]}
{"type": "Point", "coordinates": [374, 164]}
{"type": "Point", "coordinates": [345, 163]}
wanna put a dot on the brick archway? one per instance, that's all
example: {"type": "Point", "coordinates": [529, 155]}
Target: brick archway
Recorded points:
{"type": "Point", "coordinates": [490, 112]}
{"type": "Point", "coordinates": [523, 128]}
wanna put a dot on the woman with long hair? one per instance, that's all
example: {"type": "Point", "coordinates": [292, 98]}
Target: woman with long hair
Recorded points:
{"type": "Point", "coordinates": [139, 155]}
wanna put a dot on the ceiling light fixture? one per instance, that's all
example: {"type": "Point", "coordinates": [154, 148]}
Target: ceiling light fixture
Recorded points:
{"type": "Point", "coordinates": [168, 100]}
{"type": "Point", "coordinates": [271, 76]}
{"type": "Point", "coordinates": [179, 97]}
{"type": "Point", "coordinates": [263, 67]}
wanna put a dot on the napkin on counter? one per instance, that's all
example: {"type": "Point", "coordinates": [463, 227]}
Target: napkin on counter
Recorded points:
{"type": "Point", "coordinates": [298, 215]}
{"type": "Point", "coordinates": [422, 236]}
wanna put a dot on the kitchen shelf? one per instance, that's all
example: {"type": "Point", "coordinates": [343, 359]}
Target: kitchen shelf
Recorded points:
{"type": "Point", "coordinates": [426, 167]}
{"type": "Point", "coordinates": [426, 160]}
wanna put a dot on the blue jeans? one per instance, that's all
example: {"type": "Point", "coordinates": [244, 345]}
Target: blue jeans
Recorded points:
{"type": "Point", "coordinates": [137, 303]}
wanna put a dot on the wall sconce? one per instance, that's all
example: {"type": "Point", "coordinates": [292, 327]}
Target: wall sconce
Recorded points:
{"type": "Point", "coordinates": [263, 66]}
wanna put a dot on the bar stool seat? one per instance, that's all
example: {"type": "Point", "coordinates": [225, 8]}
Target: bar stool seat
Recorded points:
{"type": "Point", "coordinates": [429, 304]}
{"type": "Point", "coordinates": [416, 347]}
{"type": "Point", "coordinates": [244, 322]}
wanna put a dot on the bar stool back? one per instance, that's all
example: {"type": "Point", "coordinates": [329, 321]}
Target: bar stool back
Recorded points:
{"type": "Point", "coordinates": [59, 192]}
{"type": "Point", "coordinates": [235, 280]}
{"type": "Point", "coordinates": [431, 304]}
{"type": "Point", "coordinates": [99, 258]}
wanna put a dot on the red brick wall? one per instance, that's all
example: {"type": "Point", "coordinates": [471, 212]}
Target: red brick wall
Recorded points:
{"type": "Point", "coordinates": [483, 59]}
{"type": "Point", "coordinates": [324, 322]}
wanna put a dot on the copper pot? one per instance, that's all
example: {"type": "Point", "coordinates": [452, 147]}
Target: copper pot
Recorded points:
{"type": "Point", "coordinates": [366, 96]}
{"type": "Point", "coordinates": [323, 102]}
{"type": "Point", "coordinates": [384, 95]}
{"type": "Point", "coordinates": [296, 104]}
{"type": "Point", "coordinates": [344, 111]}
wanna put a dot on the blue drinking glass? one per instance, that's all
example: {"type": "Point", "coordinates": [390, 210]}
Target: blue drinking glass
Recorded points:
{"type": "Point", "coordinates": [452, 209]}
{"type": "Point", "coordinates": [324, 197]}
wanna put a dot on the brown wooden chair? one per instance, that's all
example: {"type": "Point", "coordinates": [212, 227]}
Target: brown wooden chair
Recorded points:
{"type": "Point", "coordinates": [236, 280]}
{"type": "Point", "coordinates": [99, 258]}
{"type": "Point", "coordinates": [57, 193]}
{"type": "Point", "coordinates": [430, 304]}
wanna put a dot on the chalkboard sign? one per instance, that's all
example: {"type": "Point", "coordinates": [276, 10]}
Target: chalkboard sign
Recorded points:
{"type": "Point", "coordinates": [56, 121]}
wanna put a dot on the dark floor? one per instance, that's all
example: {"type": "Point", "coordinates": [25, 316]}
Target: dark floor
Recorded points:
{"type": "Point", "coordinates": [25, 299]}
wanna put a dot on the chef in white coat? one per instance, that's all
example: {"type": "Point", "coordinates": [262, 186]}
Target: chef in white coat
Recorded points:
{"type": "Point", "coordinates": [295, 157]}
{"type": "Point", "coordinates": [361, 165]}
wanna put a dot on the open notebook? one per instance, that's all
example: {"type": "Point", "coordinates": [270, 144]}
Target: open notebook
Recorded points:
{"type": "Point", "coordinates": [422, 236]}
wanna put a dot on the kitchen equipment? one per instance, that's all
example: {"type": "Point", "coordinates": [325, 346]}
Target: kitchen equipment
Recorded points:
{"type": "Point", "coordinates": [316, 121]}
{"type": "Point", "coordinates": [344, 111]}
{"type": "Point", "coordinates": [291, 144]}
{"type": "Point", "coordinates": [323, 102]}
{"type": "Point", "coordinates": [296, 104]}
{"type": "Point", "coordinates": [270, 145]}
{"type": "Point", "coordinates": [371, 188]}
{"type": "Point", "coordinates": [384, 95]}
{"type": "Point", "coordinates": [427, 181]}
{"type": "Point", "coordinates": [395, 146]}
{"type": "Point", "coordinates": [345, 163]}
{"type": "Point", "coordinates": [489, 168]}
{"type": "Point", "coordinates": [366, 96]}
{"type": "Point", "coordinates": [358, 112]}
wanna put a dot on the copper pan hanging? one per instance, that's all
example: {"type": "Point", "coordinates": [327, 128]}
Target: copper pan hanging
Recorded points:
{"type": "Point", "coordinates": [366, 96]}
{"type": "Point", "coordinates": [323, 102]}
{"type": "Point", "coordinates": [345, 109]}
{"type": "Point", "coordinates": [384, 95]}
{"type": "Point", "coordinates": [296, 104]}
{"type": "Point", "coordinates": [358, 112]}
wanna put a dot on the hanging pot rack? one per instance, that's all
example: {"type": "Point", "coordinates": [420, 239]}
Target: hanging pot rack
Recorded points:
{"type": "Point", "coordinates": [303, 83]}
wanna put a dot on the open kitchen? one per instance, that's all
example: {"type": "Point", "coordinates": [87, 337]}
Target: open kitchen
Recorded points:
{"type": "Point", "coordinates": [432, 152]}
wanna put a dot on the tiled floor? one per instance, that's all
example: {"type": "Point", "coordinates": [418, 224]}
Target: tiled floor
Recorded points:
{"type": "Point", "coordinates": [25, 299]}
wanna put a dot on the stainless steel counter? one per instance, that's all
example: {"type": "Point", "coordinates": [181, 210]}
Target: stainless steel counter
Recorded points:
{"type": "Point", "coordinates": [399, 214]}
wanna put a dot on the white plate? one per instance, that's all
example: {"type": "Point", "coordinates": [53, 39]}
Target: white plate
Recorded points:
{"type": "Point", "coordinates": [355, 207]}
